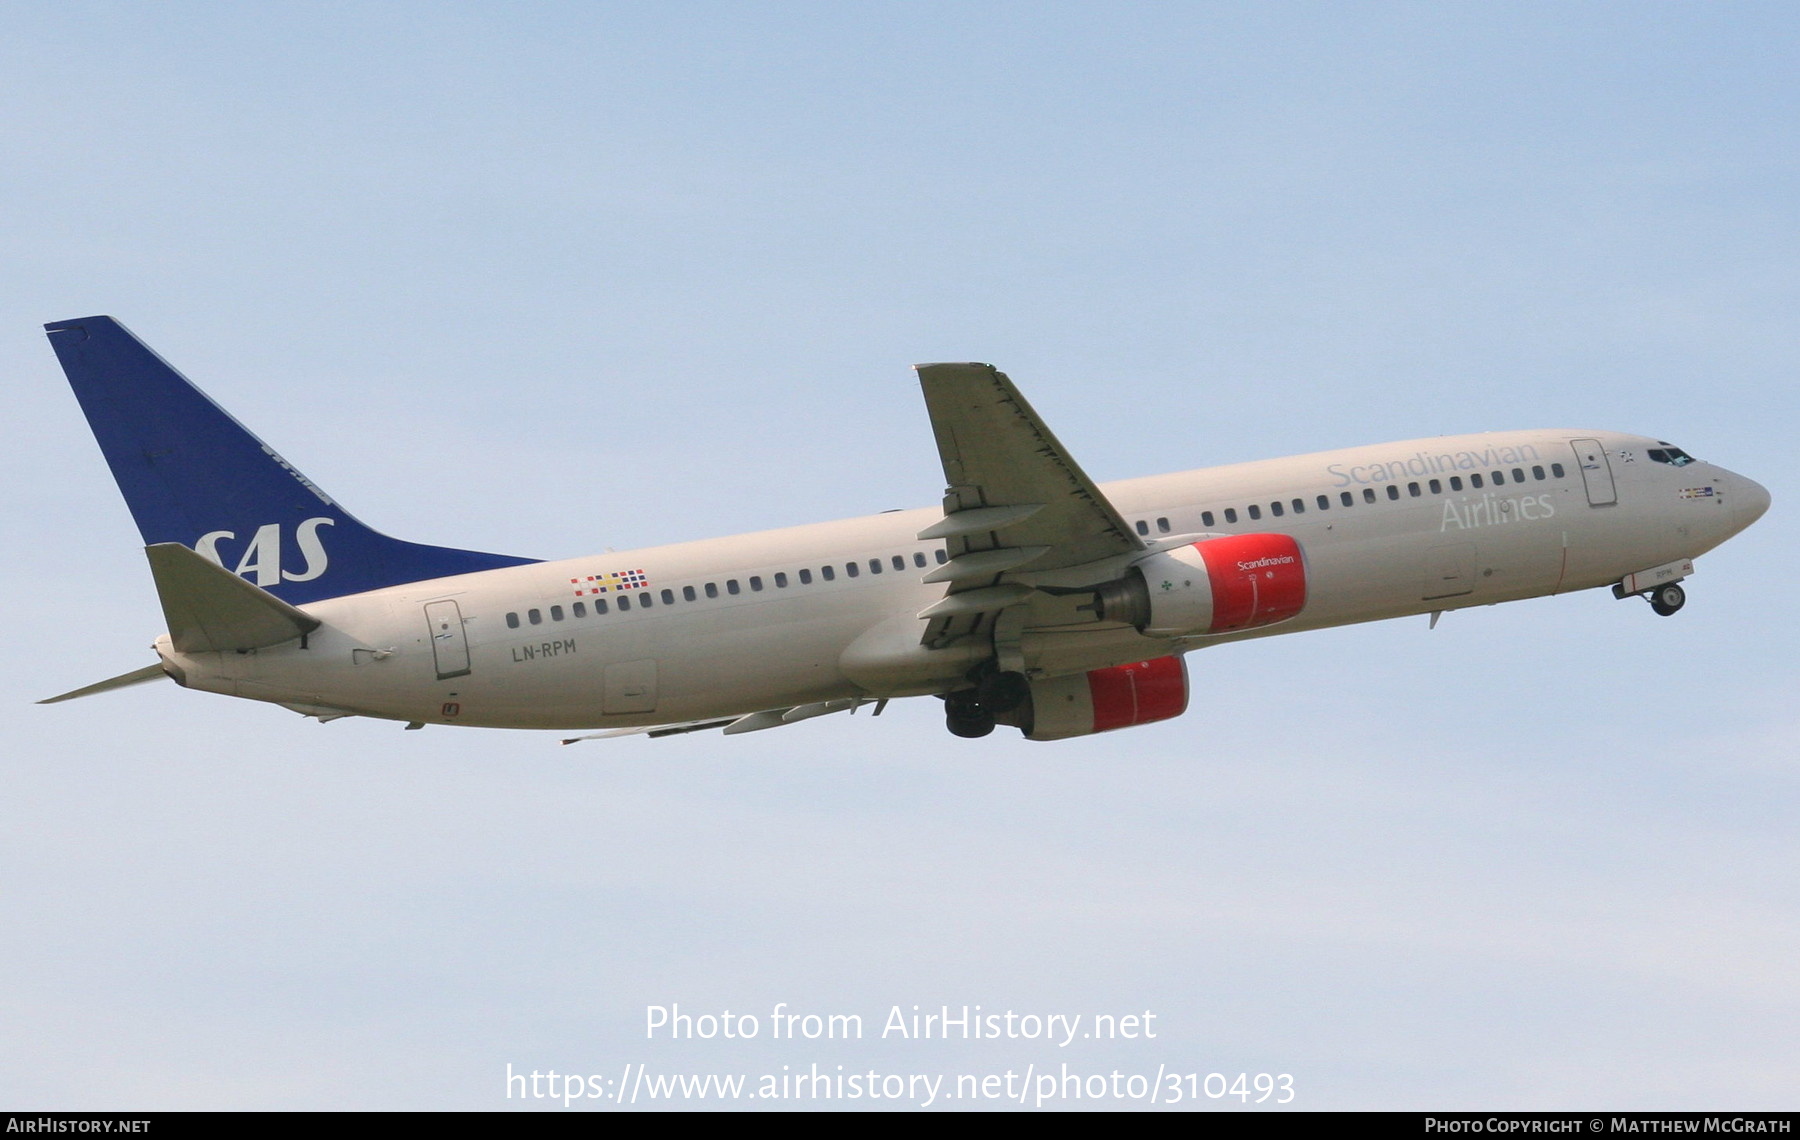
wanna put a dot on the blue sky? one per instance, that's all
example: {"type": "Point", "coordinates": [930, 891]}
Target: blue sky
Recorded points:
{"type": "Point", "coordinates": [552, 278]}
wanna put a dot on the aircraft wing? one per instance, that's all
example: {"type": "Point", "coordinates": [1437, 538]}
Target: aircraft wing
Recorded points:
{"type": "Point", "coordinates": [733, 725]}
{"type": "Point", "coordinates": [1015, 499]}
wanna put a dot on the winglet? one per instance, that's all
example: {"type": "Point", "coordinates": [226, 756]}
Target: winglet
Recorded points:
{"type": "Point", "coordinates": [211, 610]}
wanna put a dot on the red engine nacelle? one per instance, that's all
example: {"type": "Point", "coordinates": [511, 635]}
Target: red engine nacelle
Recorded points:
{"type": "Point", "coordinates": [1103, 699]}
{"type": "Point", "coordinates": [1216, 585]}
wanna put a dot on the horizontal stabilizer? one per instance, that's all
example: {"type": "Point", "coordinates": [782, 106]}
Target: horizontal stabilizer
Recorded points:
{"type": "Point", "coordinates": [211, 610]}
{"type": "Point", "coordinates": [122, 681]}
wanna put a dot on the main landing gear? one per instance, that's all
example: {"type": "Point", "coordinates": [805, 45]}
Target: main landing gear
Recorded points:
{"type": "Point", "coordinates": [964, 715]}
{"type": "Point", "coordinates": [972, 713]}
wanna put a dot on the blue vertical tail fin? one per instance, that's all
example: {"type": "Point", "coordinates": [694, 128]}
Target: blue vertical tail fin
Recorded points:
{"type": "Point", "coordinates": [193, 475]}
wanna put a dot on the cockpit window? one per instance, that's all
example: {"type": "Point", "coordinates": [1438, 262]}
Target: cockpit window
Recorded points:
{"type": "Point", "coordinates": [1671, 455]}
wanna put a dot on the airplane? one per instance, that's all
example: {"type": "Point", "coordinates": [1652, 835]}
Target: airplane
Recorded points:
{"type": "Point", "coordinates": [1031, 597]}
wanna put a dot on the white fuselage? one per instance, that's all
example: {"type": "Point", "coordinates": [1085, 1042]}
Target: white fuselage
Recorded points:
{"type": "Point", "coordinates": [816, 613]}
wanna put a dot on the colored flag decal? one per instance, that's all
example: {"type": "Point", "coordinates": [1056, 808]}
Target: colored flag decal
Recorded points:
{"type": "Point", "coordinates": [616, 582]}
{"type": "Point", "coordinates": [1696, 492]}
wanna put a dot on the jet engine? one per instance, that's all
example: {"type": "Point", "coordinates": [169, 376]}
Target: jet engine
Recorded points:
{"type": "Point", "coordinates": [1216, 585]}
{"type": "Point", "coordinates": [1101, 700]}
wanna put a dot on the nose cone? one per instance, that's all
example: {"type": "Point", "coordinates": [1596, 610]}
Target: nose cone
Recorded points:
{"type": "Point", "coordinates": [1752, 501]}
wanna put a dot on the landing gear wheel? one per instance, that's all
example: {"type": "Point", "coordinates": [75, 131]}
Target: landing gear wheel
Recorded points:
{"type": "Point", "coordinates": [970, 727]}
{"type": "Point", "coordinates": [1665, 600]}
{"type": "Point", "coordinates": [966, 716]}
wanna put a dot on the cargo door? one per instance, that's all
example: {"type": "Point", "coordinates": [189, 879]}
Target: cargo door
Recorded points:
{"type": "Point", "coordinates": [1450, 570]}
{"type": "Point", "coordinates": [630, 687]}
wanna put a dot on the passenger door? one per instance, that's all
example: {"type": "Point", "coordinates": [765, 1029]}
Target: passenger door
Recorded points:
{"type": "Point", "coordinates": [449, 642]}
{"type": "Point", "coordinates": [1596, 472]}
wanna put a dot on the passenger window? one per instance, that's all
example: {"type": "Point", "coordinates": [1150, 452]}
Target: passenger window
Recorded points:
{"type": "Point", "coordinates": [827, 573]}
{"type": "Point", "coordinates": [1206, 519]}
{"type": "Point", "coordinates": [941, 556]}
{"type": "Point", "coordinates": [1456, 482]}
{"type": "Point", "coordinates": [850, 569]}
{"type": "Point", "coordinates": [874, 565]}
{"type": "Point", "coordinates": [1255, 511]}
{"type": "Point", "coordinates": [919, 559]}
{"type": "Point", "coordinates": [1346, 498]}
{"type": "Point", "coordinates": [624, 602]}
{"type": "Point", "coordinates": [1538, 474]}
{"type": "Point", "coordinates": [599, 605]}
{"type": "Point", "coordinates": [1143, 527]}
{"type": "Point", "coordinates": [1556, 469]}
{"type": "Point", "coordinates": [899, 562]}
{"type": "Point", "coordinates": [512, 621]}
{"type": "Point", "coordinates": [1475, 481]}
{"type": "Point", "coordinates": [580, 609]}
{"type": "Point", "coordinates": [1231, 514]}
{"type": "Point", "coordinates": [1518, 475]}
{"type": "Point", "coordinates": [1437, 488]}
{"type": "Point", "coordinates": [534, 617]}
{"type": "Point", "coordinates": [556, 613]}
{"type": "Point", "coordinates": [781, 579]}
{"type": "Point", "coordinates": [1299, 506]}
{"type": "Point", "coordinates": [1413, 490]}
{"type": "Point", "coordinates": [712, 589]}
{"type": "Point", "coordinates": [1368, 494]}
{"type": "Point", "coordinates": [687, 593]}
{"type": "Point", "coordinates": [806, 577]}
{"type": "Point", "coordinates": [731, 586]}
{"type": "Point", "coordinates": [644, 599]}
{"type": "Point", "coordinates": [1162, 525]}
{"type": "Point", "coordinates": [1275, 508]}
{"type": "Point", "coordinates": [1393, 492]}
{"type": "Point", "coordinates": [1499, 477]}
{"type": "Point", "coordinates": [668, 597]}
{"type": "Point", "coordinates": [756, 583]}
{"type": "Point", "coordinates": [1324, 502]}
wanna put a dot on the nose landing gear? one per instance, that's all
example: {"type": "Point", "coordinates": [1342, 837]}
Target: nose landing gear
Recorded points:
{"type": "Point", "coordinates": [1660, 586]}
{"type": "Point", "coordinates": [1665, 600]}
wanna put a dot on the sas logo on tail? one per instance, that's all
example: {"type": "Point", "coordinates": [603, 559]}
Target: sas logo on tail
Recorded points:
{"type": "Point", "coordinates": [261, 561]}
